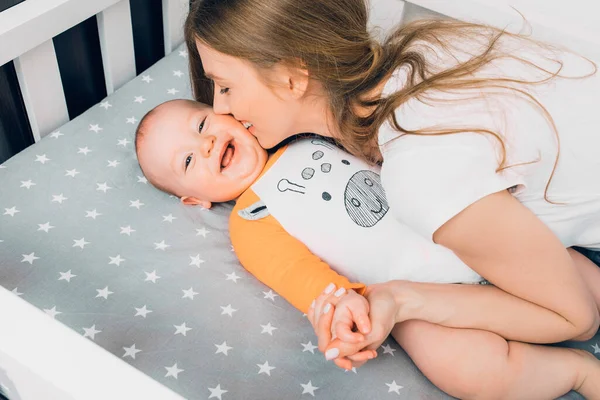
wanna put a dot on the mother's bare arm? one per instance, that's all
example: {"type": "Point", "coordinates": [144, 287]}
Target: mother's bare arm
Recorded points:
{"type": "Point", "coordinates": [538, 294]}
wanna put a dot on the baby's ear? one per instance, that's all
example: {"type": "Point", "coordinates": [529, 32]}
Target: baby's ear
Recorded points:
{"type": "Point", "coordinates": [192, 201]}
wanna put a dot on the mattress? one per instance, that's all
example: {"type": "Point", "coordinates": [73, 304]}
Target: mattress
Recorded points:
{"type": "Point", "coordinates": [85, 238]}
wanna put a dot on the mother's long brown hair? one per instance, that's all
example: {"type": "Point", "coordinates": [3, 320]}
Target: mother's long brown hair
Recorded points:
{"type": "Point", "coordinates": [330, 39]}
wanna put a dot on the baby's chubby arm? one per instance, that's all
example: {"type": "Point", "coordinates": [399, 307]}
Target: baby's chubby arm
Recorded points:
{"type": "Point", "coordinates": [287, 266]}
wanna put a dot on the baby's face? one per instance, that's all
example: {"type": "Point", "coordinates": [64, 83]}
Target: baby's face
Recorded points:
{"type": "Point", "coordinates": [193, 152]}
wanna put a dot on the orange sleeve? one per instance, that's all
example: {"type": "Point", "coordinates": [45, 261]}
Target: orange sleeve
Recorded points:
{"type": "Point", "coordinates": [279, 260]}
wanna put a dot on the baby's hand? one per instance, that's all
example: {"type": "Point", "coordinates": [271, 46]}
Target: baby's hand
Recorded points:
{"type": "Point", "coordinates": [337, 314]}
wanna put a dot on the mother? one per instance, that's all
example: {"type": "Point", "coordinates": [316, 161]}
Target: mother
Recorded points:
{"type": "Point", "coordinates": [469, 123]}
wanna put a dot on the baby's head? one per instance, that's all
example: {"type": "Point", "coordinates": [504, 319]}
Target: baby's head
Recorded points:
{"type": "Point", "coordinates": [185, 149]}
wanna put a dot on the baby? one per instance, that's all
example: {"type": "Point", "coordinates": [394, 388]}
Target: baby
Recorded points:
{"type": "Point", "coordinates": [308, 217]}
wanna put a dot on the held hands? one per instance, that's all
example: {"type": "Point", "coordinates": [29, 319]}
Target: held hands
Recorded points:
{"type": "Point", "coordinates": [351, 327]}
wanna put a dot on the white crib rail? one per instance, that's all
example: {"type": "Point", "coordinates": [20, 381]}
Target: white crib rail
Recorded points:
{"type": "Point", "coordinates": [26, 32]}
{"type": "Point", "coordinates": [174, 13]}
{"type": "Point", "coordinates": [116, 45]}
{"type": "Point", "coordinates": [41, 88]}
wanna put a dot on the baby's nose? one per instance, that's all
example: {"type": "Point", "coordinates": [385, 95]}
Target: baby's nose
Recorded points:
{"type": "Point", "coordinates": [207, 144]}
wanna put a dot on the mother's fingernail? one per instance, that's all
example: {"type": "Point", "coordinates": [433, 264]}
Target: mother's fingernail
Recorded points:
{"type": "Point", "coordinates": [330, 288]}
{"type": "Point", "coordinates": [332, 353]}
{"type": "Point", "coordinates": [312, 305]}
{"type": "Point", "coordinates": [326, 308]}
{"type": "Point", "coordinates": [339, 292]}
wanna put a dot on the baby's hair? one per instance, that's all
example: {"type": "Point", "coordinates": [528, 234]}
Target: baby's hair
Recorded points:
{"type": "Point", "coordinates": [140, 133]}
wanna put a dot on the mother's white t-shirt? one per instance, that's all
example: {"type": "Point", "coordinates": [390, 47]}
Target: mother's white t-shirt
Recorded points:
{"type": "Point", "coordinates": [430, 179]}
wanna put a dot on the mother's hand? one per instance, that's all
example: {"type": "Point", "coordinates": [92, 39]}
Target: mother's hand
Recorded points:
{"type": "Point", "coordinates": [384, 310]}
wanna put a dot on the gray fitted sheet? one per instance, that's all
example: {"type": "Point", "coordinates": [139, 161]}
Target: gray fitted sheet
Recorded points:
{"type": "Point", "coordinates": [85, 237]}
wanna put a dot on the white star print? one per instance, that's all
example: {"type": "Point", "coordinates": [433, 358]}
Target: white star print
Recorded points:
{"type": "Point", "coordinates": [131, 120]}
{"type": "Point", "coordinates": [172, 91]}
{"type": "Point", "coordinates": [308, 388]}
{"type": "Point", "coordinates": [45, 227]}
{"type": "Point", "coordinates": [228, 310]}
{"type": "Point", "coordinates": [53, 312]}
{"type": "Point", "coordinates": [56, 134]}
{"type": "Point", "coordinates": [142, 311]}
{"type": "Point", "coordinates": [95, 128]}
{"type": "Point", "coordinates": [393, 387]}
{"type": "Point", "coordinates": [66, 276]}
{"type": "Point", "coordinates": [232, 277]}
{"type": "Point", "coordinates": [11, 211]}
{"type": "Point", "coordinates": [270, 295]}
{"type": "Point", "coordinates": [189, 293]}
{"type": "Point", "coordinates": [103, 187]}
{"type": "Point", "coordinates": [223, 348]}
{"type": "Point", "coordinates": [147, 78]}
{"type": "Point", "coordinates": [43, 159]}
{"type": "Point", "coordinates": [161, 246]}
{"type": "Point", "coordinates": [196, 260]}
{"type": "Point", "coordinates": [16, 292]}
{"type": "Point", "coordinates": [131, 351]}
{"type": "Point", "coordinates": [183, 329]}
{"type": "Point", "coordinates": [127, 230]}
{"type": "Point", "coordinates": [142, 179]}
{"type": "Point", "coordinates": [123, 142]}
{"type": "Point", "coordinates": [173, 371]}
{"type": "Point", "coordinates": [84, 150]}
{"type": "Point", "coordinates": [80, 243]}
{"type": "Point", "coordinates": [268, 328]}
{"type": "Point", "coordinates": [30, 258]}
{"type": "Point", "coordinates": [387, 349]}
{"type": "Point", "coordinates": [92, 214]}
{"type": "Point", "coordinates": [105, 105]}
{"type": "Point", "coordinates": [139, 99]}
{"type": "Point", "coordinates": [265, 368]}
{"type": "Point", "coordinates": [183, 53]}
{"type": "Point", "coordinates": [113, 163]}
{"type": "Point", "coordinates": [596, 348]}
{"type": "Point", "coordinates": [116, 260]}
{"type": "Point", "coordinates": [178, 73]}
{"type": "Point", "coordinates": [91, 332]}
{"type": "Point", "coordinates": [151, 276]}
{"type": "Point", "coordinates": [71, 173]}
{"type": "Point", "coordinates": [27, 184]}
{"type": "Point", "coordinates": [202, 232]}
{"type": "Point", "coordinates": [216, 392]}
{"type": "Point", "coordinates": [309, 347]}
{"type": "Point", "coordinates": [59, 198]}
{"type": "Point", "coordinates": [169, 218]}
{"type": "Point", "coordinates": [104, 293]}
{"type": "Point", "coordinates": [135, 203]}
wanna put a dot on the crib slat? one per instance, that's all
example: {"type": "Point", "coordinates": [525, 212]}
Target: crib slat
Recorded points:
{"type": "Point", "coordinates": [41, 86]}
{"type": "Point", "coordinates": [116, 45]}
{"type": "Point", "coordinates": [174, 13]}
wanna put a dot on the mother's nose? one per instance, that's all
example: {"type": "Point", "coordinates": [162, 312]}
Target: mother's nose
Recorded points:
{"type": "Point", "coordinates": [207, 143]}
{"type": "Point", "coordinates": [220, 104]}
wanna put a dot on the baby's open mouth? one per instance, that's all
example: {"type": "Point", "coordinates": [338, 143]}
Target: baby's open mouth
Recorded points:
{"type": "Point", "coordinates": [227, 155]}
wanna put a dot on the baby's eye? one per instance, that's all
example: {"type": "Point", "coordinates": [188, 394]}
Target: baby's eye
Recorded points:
{"type": "Point", "coordinates": [188, 160]}
{"type": "Point", "coordinates": [224, 90]}
{"type": "Point", "coordinates": [201, 125]}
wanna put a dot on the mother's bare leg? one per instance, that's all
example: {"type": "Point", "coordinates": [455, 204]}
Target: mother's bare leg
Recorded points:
{"type": "Point", "coordinates": [475, 364]}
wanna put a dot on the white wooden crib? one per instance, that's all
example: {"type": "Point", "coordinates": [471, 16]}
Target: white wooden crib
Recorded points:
{"type": "Point", "coordinates": [46, 360]}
